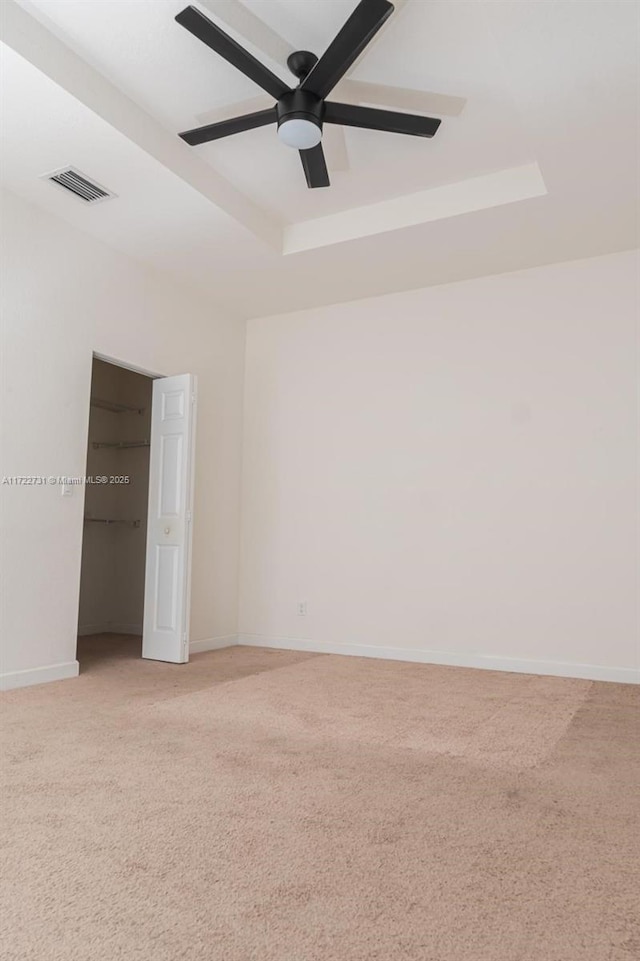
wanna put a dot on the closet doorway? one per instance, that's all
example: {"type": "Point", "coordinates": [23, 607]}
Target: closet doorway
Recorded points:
{"type": "Point", "coordinates": [138, 519]}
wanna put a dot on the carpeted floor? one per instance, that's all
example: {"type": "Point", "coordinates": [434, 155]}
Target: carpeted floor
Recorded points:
{"type": "Point", "coordinates": [274, 806]}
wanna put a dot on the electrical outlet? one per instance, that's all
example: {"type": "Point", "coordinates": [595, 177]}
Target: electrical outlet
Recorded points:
{"type": "Point", "coordinates": [302, 608]}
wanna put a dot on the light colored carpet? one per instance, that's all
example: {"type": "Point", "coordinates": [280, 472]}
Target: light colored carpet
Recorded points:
{"type": "Point", "coordinates": [274, 806]}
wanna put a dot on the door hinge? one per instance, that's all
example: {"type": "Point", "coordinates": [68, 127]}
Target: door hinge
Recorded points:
{"type": "Point", "coordinates": [188, 517]}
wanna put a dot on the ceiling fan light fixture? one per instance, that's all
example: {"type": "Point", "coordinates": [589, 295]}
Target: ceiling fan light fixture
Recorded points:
{"type": "Point", "coordinates": [300, 133]}
{"type": "Point", "coordinates": [299, 115]}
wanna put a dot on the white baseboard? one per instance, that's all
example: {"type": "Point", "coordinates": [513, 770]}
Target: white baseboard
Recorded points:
{"type": "Point", "coordinates": [38, 675]}
{"type": "Point", "coordinates": [589, 672]}
{"type": "Point", "coordinates": [213, 643]}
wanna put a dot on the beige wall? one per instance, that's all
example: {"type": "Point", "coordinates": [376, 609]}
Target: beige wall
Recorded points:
{"type": "Point", "coordinates": [447, 474]}
{"type": "Point", "coordinates": [65, 295]}
{"type": "Point", "coordinates": [450, 473]}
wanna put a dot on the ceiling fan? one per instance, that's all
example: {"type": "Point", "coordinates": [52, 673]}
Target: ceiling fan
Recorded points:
{"type": "Point", "coordinates": [301, 112]}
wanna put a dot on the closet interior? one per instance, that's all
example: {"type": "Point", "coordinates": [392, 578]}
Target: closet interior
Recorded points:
{"type": "Point", "coordinates": [115, 513]}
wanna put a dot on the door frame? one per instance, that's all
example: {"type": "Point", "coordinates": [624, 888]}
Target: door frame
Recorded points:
{"type": "Point", "coordinates": [117, 362]}
{"type": "Point", "coordinates": [153, 375]}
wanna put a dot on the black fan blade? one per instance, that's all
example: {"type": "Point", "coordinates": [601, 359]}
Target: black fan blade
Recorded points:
{"type": "Point", "coordinates": [358, 31]}
{"type": "Point", "coordinates": [205, 30]}
{"type": "Point", "coordinates": [388, 120]}
{"type": "Point", "coordinates": [315, 167]}
{"type": "Point", "coordinates": [224, 128]}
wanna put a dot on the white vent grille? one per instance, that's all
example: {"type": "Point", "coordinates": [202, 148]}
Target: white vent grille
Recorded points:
{"type": "Point", "coordinates": [78, 184]}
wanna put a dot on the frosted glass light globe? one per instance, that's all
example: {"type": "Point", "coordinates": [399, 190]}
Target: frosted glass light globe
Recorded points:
{"type": "Point", "coordinates": [300, 134]}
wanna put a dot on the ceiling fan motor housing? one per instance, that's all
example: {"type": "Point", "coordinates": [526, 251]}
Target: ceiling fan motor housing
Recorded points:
{"type": "Point", "coordinates": [300, 105]}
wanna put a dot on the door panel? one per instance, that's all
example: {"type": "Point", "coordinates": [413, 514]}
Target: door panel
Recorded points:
{"type": "Point", "coordinates": [170, 474]}
{"type": "Point", "coordinates": [166, 607]}
{"type": "Point", "coordinates": [168, 571]}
